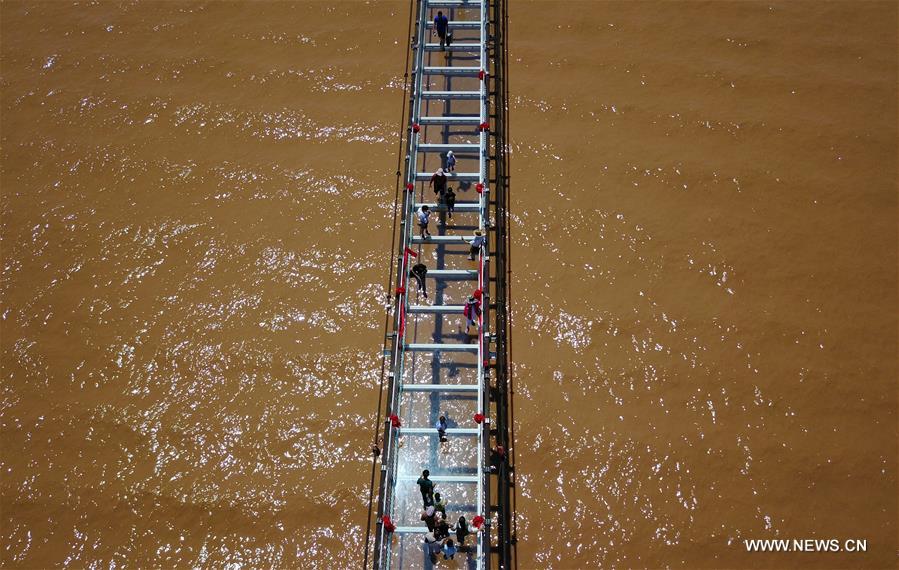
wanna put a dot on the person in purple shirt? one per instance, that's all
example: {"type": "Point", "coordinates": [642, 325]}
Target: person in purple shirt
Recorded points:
{"type": "Point", "coordinates": [441, 25]}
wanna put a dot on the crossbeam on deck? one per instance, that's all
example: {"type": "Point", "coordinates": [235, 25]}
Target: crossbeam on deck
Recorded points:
{"type": "Point", "coordinates": [460, 24]}
{"type": "Point", "coordinates": [453, 274]}
{"type": "Point", "coordinates": [435, 309]}
{"type": "Point", "coordinates": [442, 239]}
{"type": "Point", "coordinates": [411, 530]}
{"type": "Point", "coordinates": [433, 431]}
{"type": "Point", "coordinates": [458, 147]}
{"type": "Point", "coordinates": [464, 47]}
{"type": "Point", "coordinates": [442, 347]}
{"type": "Point", "coordinates": [461, 120]}
{"type": "Point", "coordinates": [440, 387]}
{"type": "Point", "coordinates": [442, 478]}
{"type": "Point", "coordinates": [458, 207]}
{"type": "Point", "coordinates": [456, 70]}
{"type": "Point", "coordinates": [451, 176]}
{"type": "Point", "coordinates": [469, 95]}
{"type": "Point", "coordinates": [470, 4]}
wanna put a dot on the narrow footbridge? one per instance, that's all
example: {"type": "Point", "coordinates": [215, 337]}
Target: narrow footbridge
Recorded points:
{"type": "Point", "coordinates": [434, 363]}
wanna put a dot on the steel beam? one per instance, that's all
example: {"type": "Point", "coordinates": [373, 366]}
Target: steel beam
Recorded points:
{"type": "Point", "coordinates": [435, 309]}
{"type": "Point", "coordinates": [415, 347]}
{"type": "Point", "coordinates": [440, 387]}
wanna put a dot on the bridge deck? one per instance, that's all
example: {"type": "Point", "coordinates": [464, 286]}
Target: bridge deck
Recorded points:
{"type": "Point", "coordinates": [437, 362]}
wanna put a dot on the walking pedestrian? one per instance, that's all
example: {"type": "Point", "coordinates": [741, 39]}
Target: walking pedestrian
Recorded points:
{"type": "Point", "coordinates": [462, 531]}
{"type": "Point", "coordinates": [441, 428]}
{"type": "Point", "coordinates": [441, 25]}
{"type": "Point", "coordinates": [426, 486]}
{"type": "Point", "coordinates": [449, 549]}
{"type": "Point", "coordinates": [439, 504]}
{"type": "Point", "coordinates": [441, 528]}
{"type": "Point", "coordinates": [438, 181]}
{"type": "Point", "coordinates": [432, 547]}
{"type": "Point", "coordinates": [476, 244]}
{"type": "Point", "coordinates": [472, 311]}
{"type": "Point", "coordinates": [424, 216]}
{"type": "Point", "coordinates": [427, 515]}
{"type": "Point", "coordinates": [449, 198]}
{"type": "Point", "coordinates": [419, 271]}
{"type": "Point", "coordinates": [450, 161]}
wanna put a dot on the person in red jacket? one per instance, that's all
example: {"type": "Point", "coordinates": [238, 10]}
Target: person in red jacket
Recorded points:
{"type": "Point", "coordinates": [438, 181]}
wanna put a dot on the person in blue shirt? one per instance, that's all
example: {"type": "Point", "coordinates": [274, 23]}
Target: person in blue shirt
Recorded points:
{"type": "Point", "coordinates": [441, 25]}
{"type": "Point", "coordinates": [449, 549]}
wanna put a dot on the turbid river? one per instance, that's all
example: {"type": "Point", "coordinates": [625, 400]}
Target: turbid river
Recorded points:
{"type": "Point", "coordinates": [196, 215]}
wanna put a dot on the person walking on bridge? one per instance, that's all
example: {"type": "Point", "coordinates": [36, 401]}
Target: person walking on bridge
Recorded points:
{"type": "Point", "coordinates": [427, 515]}
{"type": "Point", "coordinates": [426, 486]}
{"type": "Point", "coordinates": [441, 527]}
{"type": "Point", "coordinates": [440, 504]}
{"type": "Point", "coordinates": [419, 271]}
{"type": "Point", "coordinates": [441, 25]}
{"type": "Point", "coordinates": [476, 244]}
{"type": "Point", "coordinates": [441, 432]}
{"type": "Point", "coordinates": [438, 181]}
{"type": "Point", "coordinates": [462, 531]}
{"type": "Point", "coordinates": [450, 200]}
{"type": "Point", "coordinates": [472, 311]}
{"type": "Point", "coordinates": [449, 549]}
{"type": "Point", "coordinates": [432, 547]}
{"type": "Point", "coordinates": [424, 216]}
{"type": "Point", "coordinates": [450, 161]}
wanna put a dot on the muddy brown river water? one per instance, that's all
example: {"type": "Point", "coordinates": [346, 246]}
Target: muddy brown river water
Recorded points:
{"type": "Point", "coordinates": [196, 215]}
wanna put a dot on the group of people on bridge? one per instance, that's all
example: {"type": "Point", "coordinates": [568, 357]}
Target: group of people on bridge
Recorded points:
{"type": "Point", "coordinates": [438, 539]}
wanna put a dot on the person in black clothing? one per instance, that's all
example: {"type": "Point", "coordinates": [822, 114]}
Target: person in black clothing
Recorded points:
{"type": "Point", "coordinates": [441, 429]}
{"type": "Point", "coordinates": [438, 180]}
{"type": "Point", "coordinates": [441, 25]}
{"type": "Point", "coordinates": [426, 486]}
{"type": "Point", "coordinates": [449, 198]}
{"type": "Point", "coordinates": [419, 271]}
{"type": "Point", "coordinates": [461, 529]}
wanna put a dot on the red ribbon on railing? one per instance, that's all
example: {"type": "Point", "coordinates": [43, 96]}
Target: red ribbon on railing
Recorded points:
{"type": "Point", "coordinates": [479, 188]}
{"type": "Point", "coordinates": [482, 74]}
{"type": "Point", "coordinates": [415, 127]}
{"type": "Point", "coordinates": [395, 421]}
{"type": "Point", "coordinates": [477, 522]}
{"type": "Point", "coordinates": [484, 126]}
{"type": "Point", "coordinates": [410, 187]}
{"type": "Point", "coordinates": [478, 418]}
{"type": "Point", "coordinates": [388, 524]}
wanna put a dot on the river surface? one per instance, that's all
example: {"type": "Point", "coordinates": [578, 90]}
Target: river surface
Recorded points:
{"type": "Point", "coordinates": [196, 216]}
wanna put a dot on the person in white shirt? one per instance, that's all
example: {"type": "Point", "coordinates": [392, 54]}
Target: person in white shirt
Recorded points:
{"type": "Point", "coordinates": [450, 161]}
{"type": "Point", "coordinates": [476, 244]}
{"type": "Point", "coordinates": [424, 215]}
